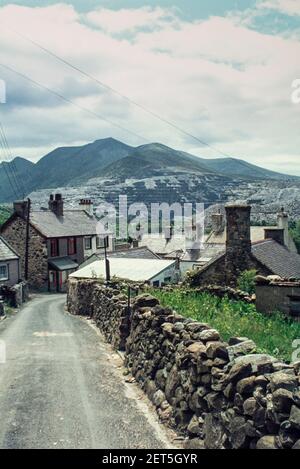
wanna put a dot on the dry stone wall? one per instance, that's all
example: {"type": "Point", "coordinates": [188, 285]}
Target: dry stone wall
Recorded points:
{"type": "Point", "coordinates": [107, 305]}
{"type": "Point", "coordinates": [217, 394]}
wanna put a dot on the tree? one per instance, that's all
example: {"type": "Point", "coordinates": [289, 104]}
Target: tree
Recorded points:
{"type": "Point", "coordinates": [295, 232]}
{"type": "Point", "coordinates": [5, 213]}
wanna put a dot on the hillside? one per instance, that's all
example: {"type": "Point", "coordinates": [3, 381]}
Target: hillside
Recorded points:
{"type": "Point", "coordinates": [236, 167]}
{"type": "Point", "coordinates": [4, 214]}
{"type": "Point", "coordinates": [153, 160]}
{"type": "Point", "coordinates": [74, 167]}
{"type": "Point", "coordinates": [20, 169]}
{"type": "Point", "coordinates": [76, 164]}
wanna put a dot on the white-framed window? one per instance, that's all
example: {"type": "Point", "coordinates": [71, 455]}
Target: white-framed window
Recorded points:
{"type": "Point", "coordinates": [4, 272]}
{"type": "Point", "coordinates": [100, 241]}
{"type": "Point", "coordinates": [88, 243]}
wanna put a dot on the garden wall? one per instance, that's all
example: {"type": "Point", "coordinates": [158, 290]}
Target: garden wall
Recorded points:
{"type": "Point", "coordinates": [220, 395]}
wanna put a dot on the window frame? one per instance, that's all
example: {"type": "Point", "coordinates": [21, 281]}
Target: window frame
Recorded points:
{"type": "Point", "coordinates": [100, 242]}
{"type": "Point", "coordinates": [90, 240]}
{"type": "Point", "coordinates": [72, 242]}
{"type": "Point", "coordinates": [54, 250]}
{"type": "Point", "coordinates": [6, 266]}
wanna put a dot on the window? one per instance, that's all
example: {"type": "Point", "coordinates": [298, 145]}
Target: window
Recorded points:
{"type": "Point", "coordinates": [100, 242]}
{"type": "Point", "coordinates": [167, 279]}
{"type": "Point", "coordinates": [4, 272]}
{"type": "Point", "coordinates": [88, 243]}
{"type": "Point", "coordinates": [54, 248]}
{"type": "Point", "coordinates": [156, 283]}
{"type": "Point", "coordinates": [71, 246]}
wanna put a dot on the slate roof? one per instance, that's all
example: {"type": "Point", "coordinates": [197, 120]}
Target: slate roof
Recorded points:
{"type": "Point", "coordinates": [6, 252]}
{"type": "Point", "coordinates": [277, 258]}
{"type": "Point", "coordinates": [63, 263]}
{"type": "Point", "coordinates": [157, 243]}
{"type": "Point", "coordinates": [73, 223]}
{"type": "Point", "coordinates": [136, 253]}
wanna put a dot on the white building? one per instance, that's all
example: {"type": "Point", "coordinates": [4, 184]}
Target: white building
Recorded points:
{"type": "Point", "coordinates": [154, 271]}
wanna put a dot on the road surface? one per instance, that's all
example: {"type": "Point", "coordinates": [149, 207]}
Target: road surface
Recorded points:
{"type": "Point", "coordinates": [62, 387]}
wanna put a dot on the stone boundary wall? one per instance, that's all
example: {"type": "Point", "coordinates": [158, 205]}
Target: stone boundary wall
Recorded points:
{"type": "Point", "coordinates": [16, 295]}
{"type": "Point", "coordinates": [219, 395]}
{"type": "Point", "coordinates": [105, 304]}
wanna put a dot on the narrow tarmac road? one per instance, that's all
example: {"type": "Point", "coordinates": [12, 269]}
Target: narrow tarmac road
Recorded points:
{"type": "Point", "coordinates": [60, 387]}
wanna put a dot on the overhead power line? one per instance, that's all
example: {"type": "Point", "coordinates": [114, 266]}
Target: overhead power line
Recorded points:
{"type": "Point", "coordinates": [12, 165]}
{"type": "Point", "coordinates": [7, 168]}
{"type": "Point", "coordinates": [69, 101]}
{"type": "Point", "coordinates": [123, 96]}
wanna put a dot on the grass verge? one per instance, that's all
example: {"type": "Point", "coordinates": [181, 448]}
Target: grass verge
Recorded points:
{"type": "Point", "coordinates": [274, 334]}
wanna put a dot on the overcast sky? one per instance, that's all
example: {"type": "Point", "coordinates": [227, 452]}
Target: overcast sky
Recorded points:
{"type": "Point", "coordinates": [222, 70]}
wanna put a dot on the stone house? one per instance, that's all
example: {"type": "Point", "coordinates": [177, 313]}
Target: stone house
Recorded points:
{"type": "Point", "coordinates": [59, 241]}
{"type": "Point", "coordinates": [9, 265]}
{"type": "Point", "coordinates": [281, 295]}
{"type": "Point", "coordinates": [217, 237]}
{"type": "Point", "coordinates": [268, 257]}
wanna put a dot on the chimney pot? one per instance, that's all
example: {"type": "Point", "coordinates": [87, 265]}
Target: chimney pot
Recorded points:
{"type": "Point", "coordinates": [56, 205]}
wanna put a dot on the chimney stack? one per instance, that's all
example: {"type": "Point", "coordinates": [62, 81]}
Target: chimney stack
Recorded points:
{"type": "Point", "coordinates": [87, 205]}
{"type": "Point", "coordinates": [238, 241]}
{"type": "Point", "coordinates": [56, 205]}
{"type": "Point", "coordinates": [21, 208]}
{"type": "Point", "coordinates": [169, 233]}
{"type": "Point", "coordinates": [217, 222]}
{"type": "Point", "coordinates": [277, 234]}
{"type": "Point", "coordinates": [283, 224]}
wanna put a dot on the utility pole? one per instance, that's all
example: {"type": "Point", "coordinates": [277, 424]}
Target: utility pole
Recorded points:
{"type": "Point", "coordinates": [27, 239]}
{"type": "Point", "coordinates": [107, 266]}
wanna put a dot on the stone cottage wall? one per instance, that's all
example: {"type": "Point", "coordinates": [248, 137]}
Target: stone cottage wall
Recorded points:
{"type": "Point", "coordinates": [15, 234]}
{"type": "Point", "coordinates": [217, 394]}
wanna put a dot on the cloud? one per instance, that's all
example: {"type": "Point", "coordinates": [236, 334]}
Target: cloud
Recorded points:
{"type": "Point", "coordinates": [287, 7]}
{"type": "Point", "coordinates": [131, 20]}
{"type": "Point", "coordinates": [218, 79]}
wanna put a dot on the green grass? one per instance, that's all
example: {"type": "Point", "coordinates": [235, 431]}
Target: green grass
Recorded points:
{"type": "Point", "coordinates": [273, 334]}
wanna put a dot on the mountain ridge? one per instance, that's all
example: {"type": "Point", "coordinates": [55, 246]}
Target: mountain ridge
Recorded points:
{"type": "Point", "coordinates": [73, 166]}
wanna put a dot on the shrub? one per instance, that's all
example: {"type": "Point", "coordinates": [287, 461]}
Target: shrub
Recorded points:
{"type": "Point", "coordinates": [246, 281]}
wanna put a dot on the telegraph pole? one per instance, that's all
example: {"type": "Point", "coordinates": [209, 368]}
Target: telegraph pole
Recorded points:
{"type": "Point", "coordinates": [107, 266]}
{"type": "Point", "coordinates": [27, 239]}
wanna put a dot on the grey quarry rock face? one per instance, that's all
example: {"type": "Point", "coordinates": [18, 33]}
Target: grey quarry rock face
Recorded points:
{"type": "Point", "coordinates": [252, 401]}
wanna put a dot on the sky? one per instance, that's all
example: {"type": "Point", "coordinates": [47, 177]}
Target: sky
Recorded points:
{"type": "Point", "coordinates": [220, 70]}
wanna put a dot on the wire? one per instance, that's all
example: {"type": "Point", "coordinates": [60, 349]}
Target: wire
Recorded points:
{"type": "Point", "coordinates": [69, 101]}
{"type": "Point", "coordinates": [7, 168]}
{"type": "Point", "coordinates": [13, 167]}
{"type": "Point", "coordinates": [113, 90]}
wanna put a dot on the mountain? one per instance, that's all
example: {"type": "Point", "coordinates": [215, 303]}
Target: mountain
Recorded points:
{"type": "Point", "coordinates": [237, 167]}
{"type": "Point", "coordinates": [73, 165]}
{"type": "Point", "coordinates": [18, 174]}
{"type": "Point", "coordinates": [111, 159]}
{"type": "Point", "coordinates": [156, 160]}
